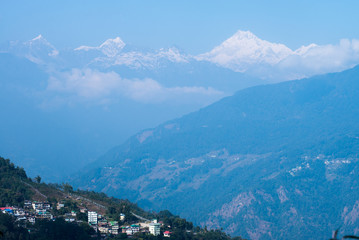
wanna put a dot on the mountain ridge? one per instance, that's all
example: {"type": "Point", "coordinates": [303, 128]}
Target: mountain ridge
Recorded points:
{"type": "Point", "coordinates": [268, 144]}
{"type": "Point", "coordinates": [161, 84]}
{"type": "Point", "coordinates": [242, 52]}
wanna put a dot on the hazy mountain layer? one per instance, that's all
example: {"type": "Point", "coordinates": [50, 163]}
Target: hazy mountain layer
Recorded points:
{"type": "Point", "coordinates": [271, 162]}
{"type": "Point", "coordinates": [56, 120]}
{"type": "Point", "coordinates": [66, 107]}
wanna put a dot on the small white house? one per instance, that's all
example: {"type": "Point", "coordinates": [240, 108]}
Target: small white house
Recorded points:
{"type": "Point", "coordinates": [167, 234]}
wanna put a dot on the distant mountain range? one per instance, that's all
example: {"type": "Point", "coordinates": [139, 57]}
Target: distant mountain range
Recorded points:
{"type": "Point", "coordinates": [65, 107]}
{"type": "Point", "coordinates": [243, 52]}
{"type": "Point", "coordinates": [270, 162]}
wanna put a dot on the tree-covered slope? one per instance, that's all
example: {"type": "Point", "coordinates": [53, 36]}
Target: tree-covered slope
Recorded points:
{"type": "Point", "coordinates": [271, 162]}
{"type": "Point", "coordinates": [12, 189]}
{"type": "Point", "coordinates": [15, 187]}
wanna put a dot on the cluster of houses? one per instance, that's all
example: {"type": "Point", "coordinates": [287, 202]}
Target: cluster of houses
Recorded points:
{"type": "Point", "coordinates": [30, 212]}
{"type": "Point", "coordinates": [42, 210]}
{"type": "Point", "coordinates": [101, 224]}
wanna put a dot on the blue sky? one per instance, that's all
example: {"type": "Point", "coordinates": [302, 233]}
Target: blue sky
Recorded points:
{"type": "Point", "coordinates": [194, 26]}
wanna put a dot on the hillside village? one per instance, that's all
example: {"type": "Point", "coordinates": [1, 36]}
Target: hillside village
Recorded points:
{"type": "Point", "coordinates": [32, 210]}
{"type": "Point", "coordinates": [50, 202]}
{"type": "Point", "coordinates": [35, 210]}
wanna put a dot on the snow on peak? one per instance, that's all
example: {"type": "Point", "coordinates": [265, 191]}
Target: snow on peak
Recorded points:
{"type": "Point", "coordinates": [110, 48]}
{"type": "Point", "coordinates": [305, 49]}
{"type": "Point", "coordinates": [40, 37]}
{"type": "Point", "coordinates": [37, 49]}
{"type": "Point", "coordinates": [40, 41]}
{"type": "Point", "coordinates": [149, 59]}
{"type": "Point", "coordinates": [172, 54]}
{"type": "Point", "coordinates": [244, 49]}
{"type": "Point", "coordinates": [244, 35]}
{"type": "Point", "coordinates": [116, 41]}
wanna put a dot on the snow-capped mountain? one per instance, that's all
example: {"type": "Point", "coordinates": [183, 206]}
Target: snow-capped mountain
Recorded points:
{"type": "Point", "coordinates": [110, 47]}
{"type": "Point", "coordinates": [167, 75]}
{"type": "Point", "coordinates": [243, 52]}
{"type": "Point", "coordinates": [114, 53]}
{"type": "Point", "coordinates": [143, 60]}
{"type": "Point", "coordinates": [244, 49]}
{"type": "Point", "coordinates": [147, 60]}
{"type": "Point", "coordinates": [37, 50]}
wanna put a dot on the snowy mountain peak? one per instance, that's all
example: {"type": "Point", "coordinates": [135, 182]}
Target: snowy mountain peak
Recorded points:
{"type": "Point", "coordinates": [39, 41]}
{"type": "Point", "coordinates": [110, 48]}
{"type": "Point", "coordinates": [172, 54]}
{"type": "Point", "coordinates": [37, 50]}
{"type": "Point", "coordinates": [244, 49]}
{"type": "Point", "coordinates": [244, 35]}
{"type": "Point", "coordinates": [115, 42]}
{"type": "Point", "coordinates": [40, 46]}
{"type": "Point", "coordinates": [40, 37]}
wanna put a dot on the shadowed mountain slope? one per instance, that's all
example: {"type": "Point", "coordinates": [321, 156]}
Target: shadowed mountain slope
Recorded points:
{"type": "Point", "coordinates": [270, 162]}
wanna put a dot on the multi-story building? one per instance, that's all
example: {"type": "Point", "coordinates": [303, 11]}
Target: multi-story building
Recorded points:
{"type": "Point", "coordinates": [37, 205]}
{"type": "Point", "coordinates": [114, 227]}
{"type": "Point", "coordinates": [155, 229]}
{"type": "Point", "coordinates": [92, 217]}
{"type": "Point", "coordinates": [27, 204]}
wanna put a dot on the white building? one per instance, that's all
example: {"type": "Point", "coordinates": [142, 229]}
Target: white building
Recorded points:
{"type": "Point", "coordinates": [155, 229]}
{"type": "Point", "coordinates": [129, 231]}
{"type": "Point", "coordinates": [27, 204]}
{"type": "Point", "coordinates": [92, 217]}
{"type": "Point", "coordinates": [60, 205]}
{"type": "Point", "coordinates": [37, 205]}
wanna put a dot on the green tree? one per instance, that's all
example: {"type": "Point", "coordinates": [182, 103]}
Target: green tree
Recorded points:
{"type": "Point", "coordinates": [67, 188]}
{"type": "Point", "coordinates": [38, 179]}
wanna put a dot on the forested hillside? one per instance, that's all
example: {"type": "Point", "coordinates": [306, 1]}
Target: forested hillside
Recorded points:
{"type": "Point", "coordinates": [12, 188]}
{"type": "Point", "coordinates": [270, 162]}
{"type": "Point", "coordinates": [17, 190]}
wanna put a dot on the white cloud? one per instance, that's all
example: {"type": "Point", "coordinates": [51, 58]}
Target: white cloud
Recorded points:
{"type": "Point", "coordinates": [85, 83]}
{"type": "Point", "coordinates": [93, 84]}
{"type": "Point", "coordinates": [320, 59]}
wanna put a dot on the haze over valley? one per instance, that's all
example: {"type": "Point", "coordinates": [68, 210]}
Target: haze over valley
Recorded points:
{"type": "Point", "coordinates": [237, 116]}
